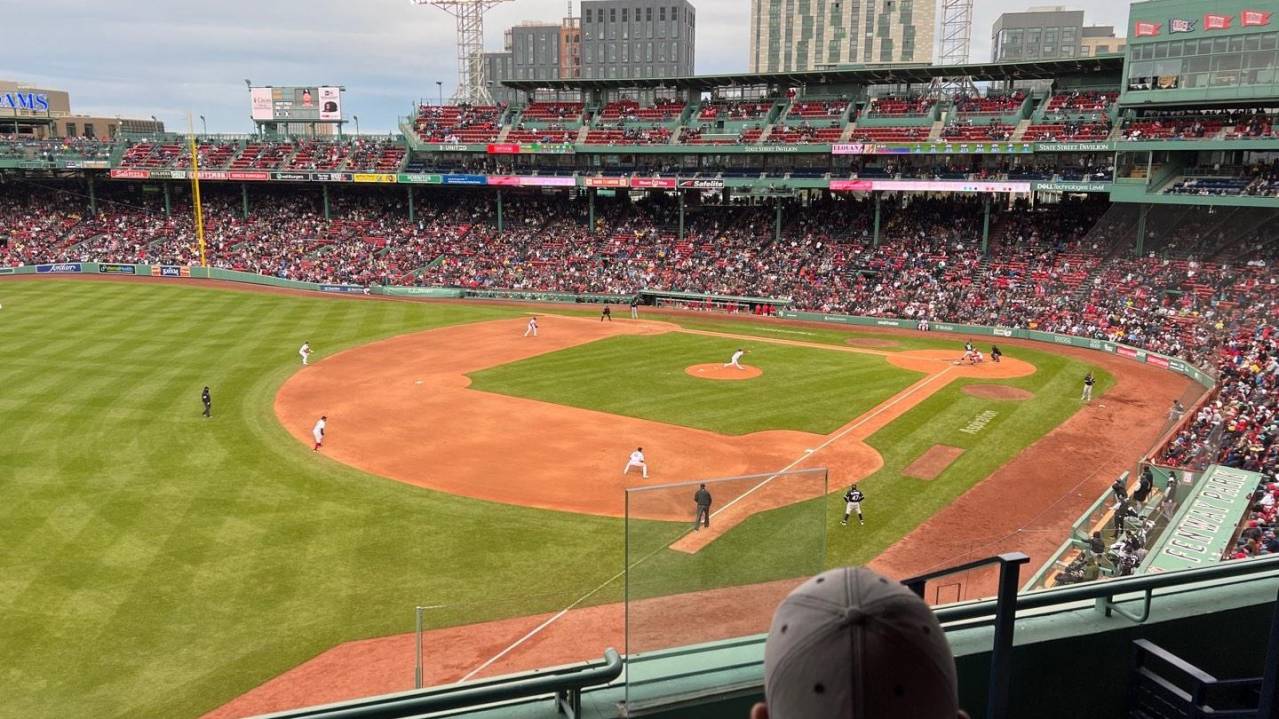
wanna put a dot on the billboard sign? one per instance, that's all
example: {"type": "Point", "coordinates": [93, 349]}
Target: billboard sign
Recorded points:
{"type": "Point", "coordinates": [660, 183]}
{"type": "Point", "coordinates": [322, 103]}
{"type": "Point", "coordinates": [701, 184]}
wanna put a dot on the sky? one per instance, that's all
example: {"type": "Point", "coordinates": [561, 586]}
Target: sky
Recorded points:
{"type": "Point", "coordinates": [169, 58]}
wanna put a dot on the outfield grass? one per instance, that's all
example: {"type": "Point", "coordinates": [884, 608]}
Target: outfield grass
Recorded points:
{"type": "Point", "coordinates": [809, 390]}
{"type": "Point", "coordinates": [157, 564]}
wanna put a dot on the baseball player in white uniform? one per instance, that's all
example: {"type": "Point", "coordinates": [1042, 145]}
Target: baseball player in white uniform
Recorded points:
{"type": "Point", "coordinates": [736, 360]}
{"type": "Point", "coordinates": [532, 327]}
{"type": "Point", "coordinates": [317, 432]}
{"type": "Point", "coordinates": [305, 351]}
{"type": "Point", "coordinates": [636, 460]}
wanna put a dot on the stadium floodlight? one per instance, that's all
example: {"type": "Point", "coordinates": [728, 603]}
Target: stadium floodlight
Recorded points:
{"type": "Point", "coordinates": [956, 44]}
{"type": "Point", "coordinates": [471, 87]}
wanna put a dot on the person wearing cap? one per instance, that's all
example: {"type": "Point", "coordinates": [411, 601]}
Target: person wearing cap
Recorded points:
{"type": "Point", "coordinates": [703, 500]}
{"type": "Point", "coordinates": [850, 644]}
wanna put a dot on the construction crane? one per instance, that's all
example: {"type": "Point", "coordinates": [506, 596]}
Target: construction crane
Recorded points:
{"type": "Point", "coordinates": [472, 87]}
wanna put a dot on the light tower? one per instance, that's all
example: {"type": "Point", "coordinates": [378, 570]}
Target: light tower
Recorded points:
{"type": "Point", "coordinates": [471, 85]}
{"type": "Point", "coordinates": [956, 43]}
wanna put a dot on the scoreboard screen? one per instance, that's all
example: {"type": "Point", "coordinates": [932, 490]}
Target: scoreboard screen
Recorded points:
{"type": "Point", "coordinates": [321, 103]}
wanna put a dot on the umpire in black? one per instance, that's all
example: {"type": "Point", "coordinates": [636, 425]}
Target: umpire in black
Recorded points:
{"type": "Point", "coordinates": [703, 500]}
{"type": "Point", "coordinates": [207, 399]}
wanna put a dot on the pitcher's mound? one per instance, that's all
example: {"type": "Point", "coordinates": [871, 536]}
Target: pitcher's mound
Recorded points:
{"type": "Point", "coordinates": [719, 371]}
{"type": "Point", "coordinates": [997, 391]}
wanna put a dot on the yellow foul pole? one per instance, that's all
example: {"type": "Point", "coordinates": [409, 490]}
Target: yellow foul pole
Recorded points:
{"type": "Point", "coordinates": [195, 190]}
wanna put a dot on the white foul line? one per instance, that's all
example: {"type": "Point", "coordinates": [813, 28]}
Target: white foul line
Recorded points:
{"type": "Point", "coordinates": [807, 454]}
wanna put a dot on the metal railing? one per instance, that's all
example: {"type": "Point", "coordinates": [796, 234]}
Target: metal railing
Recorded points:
{"type": "Point", "coordinates": [566, 683]}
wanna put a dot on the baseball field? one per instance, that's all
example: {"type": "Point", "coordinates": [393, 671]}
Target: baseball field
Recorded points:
{"type": "Point", "coordinates": [158, 563]}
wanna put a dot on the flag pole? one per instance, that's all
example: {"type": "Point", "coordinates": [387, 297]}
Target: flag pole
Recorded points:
{"type": "Point", "coordinates": [195, 190]}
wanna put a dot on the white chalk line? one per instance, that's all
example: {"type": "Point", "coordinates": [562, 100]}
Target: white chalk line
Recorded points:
{"type": "Point", "coordinates": [908, 392]}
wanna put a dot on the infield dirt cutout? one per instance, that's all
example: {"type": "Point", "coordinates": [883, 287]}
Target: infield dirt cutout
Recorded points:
{"type": "Point", "coordinates": [720, 372]}
{"type": "Point", "coordinates": [998, 391]}
{"type": "Point", "coordinates": [933, 462]}
{"type": "Point", "coordinates": [1022, 489]}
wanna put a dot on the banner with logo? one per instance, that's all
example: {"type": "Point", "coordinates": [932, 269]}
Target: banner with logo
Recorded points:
{"type": "Point", "coordinates": [60, 267]}
{"type": "Point", "coordinates": [701, 184]}
{"type": "Point", "coordinates": [1146, 29]}
{"type": "Point", "coordinates": [407, 179]}
{"type": "Point", "coordinates": [130, 174]}
{"type": "Point", "coordinates": [1254, 18]}
{"type": "Point", "coordinates": [170, 271]}
{"type": "Point", "coordinates": [606, 182]}
{"type": "Point", "coordinates": [464, 179]}
{"type": "Point", "coordinates": [850, 185]}
{"type": "Point", "coordinates": [376, 177]}
{"type": "Point", "coordinates": [108, 268]}
{"type": "Point", "coordinates": [658, 183]}
{"type": "Point", "coordinates": [503, 148]}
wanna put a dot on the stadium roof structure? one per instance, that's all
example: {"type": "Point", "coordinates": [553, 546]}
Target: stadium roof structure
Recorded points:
{"type": "Point", "coordinates": [869, 75]}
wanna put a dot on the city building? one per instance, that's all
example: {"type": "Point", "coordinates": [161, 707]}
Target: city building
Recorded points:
{"type": "Point", "coordinates": [791, 35]}
{"type": "Point", "coordinates": [1050, 33]}
{"type": "Point", "coordinates": [638, 38]}
{"type": "Point", "coordinates": [42, 112]}
{"type": "Point", "coordinates": [1100, 40]}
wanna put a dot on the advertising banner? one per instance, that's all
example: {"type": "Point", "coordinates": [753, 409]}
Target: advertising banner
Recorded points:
{"type": "Point", "coordinates": [548, 181]}
{"type": "Point", "coordinates": [464, 179]}
{"type": "Point", "coordinates": [332, 177]}
{"type": "Point", "coordinates": [606, 182]}
{"type": "Point", "coordinates": [503, 181]}
{"type": "Point", "coordinates": [260, 104]}
{"type": "Point", "coordinates": [701, 184]}
{"type": "Point", "coordinates": [503, 148]}
{"type": "Point", "coordinates": [130, 174]}
{"type": "Point", "coordinates": [107, 268]}
{"type": "Point", "coordinates": [8, 270]}
{"type": "Point", "coordinates": [60, 267]}
{"type": "Point", "coordinates": [170, 271]}
{"type": "Point", "coordinates": [1071, 186]}
{"type": "Point", "coordinates": [292, 176]}
{"type": "Point", "coordinates": [848, 148]}
{"type": "Point", "coordinates": [242, 176]}
{"type": "Point", "coordinates": [661, 183]}
{"type": "Point", "coordinates": [330, 103]}
{"type": "Point", "coordinates": [345, 289]}
{"type": "Point", "coordinates": [850, 185]}
{"type": "Point", "coordinates": [378, 177]}
{"type": "Point", "coordinates": [407, 179]}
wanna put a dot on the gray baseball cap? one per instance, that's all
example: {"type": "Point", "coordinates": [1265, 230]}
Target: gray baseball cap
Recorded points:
{"type": "Point", "coordinates": [850, 644]}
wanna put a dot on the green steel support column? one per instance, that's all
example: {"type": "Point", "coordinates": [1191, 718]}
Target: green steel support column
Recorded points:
{"type": "Point", "coordinates": [168, 201]}
{"type": "Point", "coordinates": [93, 197]}
{"type": "Point", "coordinates": [412, 209]}
{"type": "Point", "coordinates": [327, 214]}
{"type": "Point", "coordinates": [244, 200]}
{"type": "Point", "coordinates": [590, 196]}
{"type": "Point", "coordinates": [777, 223]}
{"type": "Point", "coordinates": [681, 215]}
{"type": "Point", "coordinates": [985, 228]}
{"type": "Point", "coordinates": [499, 212]}
{"type": "Point", "coordinates": [1142, 211]}
{"type": "Point", "coordinates": [877, 197]}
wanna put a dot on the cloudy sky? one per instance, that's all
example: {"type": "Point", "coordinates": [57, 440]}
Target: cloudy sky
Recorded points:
{"type": "Point", "coordinates": [166, 58]}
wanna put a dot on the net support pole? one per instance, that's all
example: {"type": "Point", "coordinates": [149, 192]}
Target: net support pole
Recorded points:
{"type": "Point", "coordinates": [590, 217]}
{"type": "Point", "coordinates": [777, 223]}
{"type": "Point", "coordinates": [500, 227]}
{"type": "Point", "coordinates": [168, 201]}
{"type": "Point", "coordinates": [93, 196]}
{"type": "Point", "coordinates": [412, 209]}
{"type": "Point", "coordinates": [417, 650]}
{"type": "Point", "coordinates": [1142, 212]}
{"type": "Point", "coordinates": [878, 196]}
{"type": "Point", "coordinates": [244, 200]}
{"type": "Point", "coordinates": [327, 213]}
{"type": "Point", "coordinates": [681, 215]}
{"type": "Point", "coordinates": [985, 226]}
